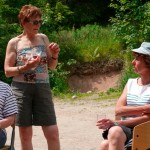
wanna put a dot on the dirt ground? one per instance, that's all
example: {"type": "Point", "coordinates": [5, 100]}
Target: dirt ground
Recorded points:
{"type": "Point", "coordinates": [76, 121]}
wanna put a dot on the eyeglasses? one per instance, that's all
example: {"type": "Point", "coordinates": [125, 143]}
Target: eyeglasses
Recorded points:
{"type": "Point", "coordinates": [36, 22]}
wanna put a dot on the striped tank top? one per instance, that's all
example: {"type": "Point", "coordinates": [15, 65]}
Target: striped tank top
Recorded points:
{"type": "Point", "coordinates": [137, 95]}
{"type": "Point", "coordinates": [35, 75]}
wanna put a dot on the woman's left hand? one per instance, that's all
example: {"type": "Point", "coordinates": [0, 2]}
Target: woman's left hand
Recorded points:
{"type": "Point", "coordinates": [104, 123]}
{"type": "Point", "coordinates": [54, 49]}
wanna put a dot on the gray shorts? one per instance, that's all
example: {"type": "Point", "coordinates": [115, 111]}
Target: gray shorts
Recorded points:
{"type": "Point", "coordinates": [128, 132]}
{"type": "Point", "coordinates": [35, 105]}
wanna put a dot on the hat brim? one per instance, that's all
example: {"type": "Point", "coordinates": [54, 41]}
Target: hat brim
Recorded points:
{"type": "Point", "coordinates": [141, 50]}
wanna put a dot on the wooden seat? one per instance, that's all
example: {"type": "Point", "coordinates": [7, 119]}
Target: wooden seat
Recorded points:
{"type": "Point", "coordinates": [141, 136]}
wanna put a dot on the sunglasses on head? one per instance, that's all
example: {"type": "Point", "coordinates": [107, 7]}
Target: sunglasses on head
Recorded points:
{"type": "Point", "coordinates": [36, 22]}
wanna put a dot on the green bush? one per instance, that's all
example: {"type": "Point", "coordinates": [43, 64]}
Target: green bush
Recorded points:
{"type": "Point", "coordinates": [128, 71]}
{"type": "Point", "coordinates": [88, 44]}
{"type": "Point", "coordinates": [131, 22]}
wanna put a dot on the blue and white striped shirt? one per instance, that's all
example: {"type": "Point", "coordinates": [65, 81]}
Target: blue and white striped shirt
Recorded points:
{"type": "Point", "coordinates": [137, 95]}
{"type": "Point", "coordinates": [8, 103]}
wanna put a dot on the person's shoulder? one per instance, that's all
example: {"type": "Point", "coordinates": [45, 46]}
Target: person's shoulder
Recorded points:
{"type": "Point", "coordinates": [4, 85]}
{"type": "Point", "coordinates": [13, 41]}
{"type": "Point", "coordinates": [42, 35]}
{"type": "Point", "coordinates": [132, 81]}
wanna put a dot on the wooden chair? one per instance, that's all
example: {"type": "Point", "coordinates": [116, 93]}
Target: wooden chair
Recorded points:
{"type": "Point", "coordinates": [141, 136]}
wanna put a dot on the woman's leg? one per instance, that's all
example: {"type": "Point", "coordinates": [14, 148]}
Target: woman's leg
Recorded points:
{"type": "Point", "coordinates": [116, 138]}
{"type": "Point", "coordinates": [104, 145]}
{"type": "Point", "coordinates": [26, 138]}
{"type": "Point", "coordinates": [52, 137]}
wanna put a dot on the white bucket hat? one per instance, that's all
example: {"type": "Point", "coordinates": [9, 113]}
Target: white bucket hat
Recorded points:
{"type": "Point", "coordinates": [144, 49]}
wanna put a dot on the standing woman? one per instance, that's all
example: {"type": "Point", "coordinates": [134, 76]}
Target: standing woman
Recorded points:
{"type": "Point", "coordinates": [28, 57]}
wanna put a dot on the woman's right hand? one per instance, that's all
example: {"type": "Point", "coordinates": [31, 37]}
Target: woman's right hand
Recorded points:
{"type": "Point", "coordinates": [104, 123]}
{"type": "Point", "coordinates": [32, 63]}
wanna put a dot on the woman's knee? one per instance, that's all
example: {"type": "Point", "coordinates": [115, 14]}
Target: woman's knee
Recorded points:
{"type": "Point", "coordinates": [25, 133]}
{"type": "Point", "coordinates": [116, 133]}
{"type": "Point", "coordinates": [51, 132]}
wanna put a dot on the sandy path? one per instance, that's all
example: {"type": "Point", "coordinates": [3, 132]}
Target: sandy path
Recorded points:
{"type": "Point", "coordinates": [76, 121]}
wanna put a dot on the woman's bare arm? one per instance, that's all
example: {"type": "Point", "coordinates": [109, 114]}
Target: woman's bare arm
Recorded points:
{"type": "Point", "coordinates": [52, 53]}
{"type": "Point", "coordinates": [123, 110]}
{"type": "Point", "coordinates": [10, 59]}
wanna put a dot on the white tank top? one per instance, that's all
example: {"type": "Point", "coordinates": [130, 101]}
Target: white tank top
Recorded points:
{"type": "Point", "coordinates": [137, 95]}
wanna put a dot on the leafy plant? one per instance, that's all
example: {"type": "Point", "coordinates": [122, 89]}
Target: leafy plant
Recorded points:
{"type": "Point", "coordinates": [131, 23]}
{"type": "Point", "coordinates": [55, 18]}
{"type": "Point", "coordinates": [58, 78]}
{"type": "Point", "coordinates": [127, 71]}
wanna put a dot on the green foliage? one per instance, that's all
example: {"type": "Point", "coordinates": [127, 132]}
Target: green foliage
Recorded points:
{"type": "Point", "coordinates": [68, 45]}
{"type": "Point", "coordinates": [58, 78]}
{"type": "Point", "coordinates": [90, 43]}
{"type": "Point", "coordinates": [131, 23]}
{"type": "Point", "coordinates": [8, 30]}
{"type": "Point", "coordinates": [128, 71]}
{"type": "Point", "coordinates": [89, 12]}
{"type": "Point", "coordinates": [96, 43]}
{"type": "Point", "coordinates": [55, 18]}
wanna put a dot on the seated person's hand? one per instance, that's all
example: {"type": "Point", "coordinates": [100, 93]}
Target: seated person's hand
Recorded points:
{"type": "Point", "coordinates": [104, 123]}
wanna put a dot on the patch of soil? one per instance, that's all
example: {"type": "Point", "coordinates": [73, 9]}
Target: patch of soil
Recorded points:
{"type": "Point", "coordinates": [95, 76]}
{"type": "Point", "coordinates": [98, 67]}
{"type": "Point", "coordinates": [95, 82]}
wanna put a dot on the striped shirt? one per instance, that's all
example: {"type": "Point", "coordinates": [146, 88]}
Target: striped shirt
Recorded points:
{"type": "Point", "coordinates": [8, 103]}
{"type": "Point", "coordinates": [34, 75]}
{"type": "Point", "coordinates": [137, 95]}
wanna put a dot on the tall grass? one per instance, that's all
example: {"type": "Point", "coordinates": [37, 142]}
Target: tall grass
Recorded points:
{"type": "Point", "coordinates": [128, 71]}
{"type": "Point", "coordinates": [89, 43]}
{"type": "Point", "coordinates": [96, 43]}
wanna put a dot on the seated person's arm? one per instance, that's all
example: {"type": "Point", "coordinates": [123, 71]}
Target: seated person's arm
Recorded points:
{"type": "Point", "coordinates": [8, 121]}
{"type": "Point", "coordinates": [123, 110]}
{"type": "Point", "coordinates": [134, 121]}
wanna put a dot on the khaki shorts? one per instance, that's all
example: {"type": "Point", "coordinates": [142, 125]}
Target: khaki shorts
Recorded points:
{"type": "Point", "coordinates": [35, 105]}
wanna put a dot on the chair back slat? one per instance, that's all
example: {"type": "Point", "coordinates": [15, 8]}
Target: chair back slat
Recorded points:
{"type": "Point", "coordinates": [141, 136]}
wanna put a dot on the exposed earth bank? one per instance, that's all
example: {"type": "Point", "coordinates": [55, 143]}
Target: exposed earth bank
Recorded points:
{"type": "Point", "coordinates": [95, 76]}
{"type": "Point", "coordinates": [94, 83]}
